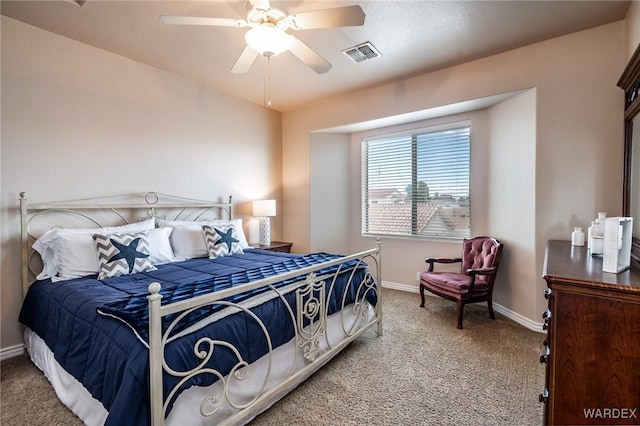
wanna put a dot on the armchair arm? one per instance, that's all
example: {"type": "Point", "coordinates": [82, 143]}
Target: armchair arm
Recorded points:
{"type": "Point", "coordinates": [432, 260]}
{"type": "Point", "coordinates": [480, 271]}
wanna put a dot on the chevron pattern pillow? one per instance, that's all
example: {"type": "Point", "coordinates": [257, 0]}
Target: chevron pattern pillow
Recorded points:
{"type": "Point", "coordinates": [221, 241]}
{"type": "Point", "coordinates": [122, 254]}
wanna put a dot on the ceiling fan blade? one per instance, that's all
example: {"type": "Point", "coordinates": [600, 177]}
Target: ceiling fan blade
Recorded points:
{"type": "Point", "coordinates": [348, 16]}
{"type": "Point", "coordinates": [309, 57]}
{"type": "Point", "coordinates": [245, 61]}
{"type": "Point", "coordinates": [197, 20]}
{"type": "Point", "coordinates": [260, 4]}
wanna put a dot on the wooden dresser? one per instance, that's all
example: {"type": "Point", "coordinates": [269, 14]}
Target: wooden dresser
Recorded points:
{"type": "Point", "coordinates": [592, 348]}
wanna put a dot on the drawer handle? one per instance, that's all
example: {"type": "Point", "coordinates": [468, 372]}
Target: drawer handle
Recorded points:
{"type": "Point", "coordinates": [547, 293]}
{"type": "Point", "coordinates": [544, 396]}
{"type": "Point", "coordinates": [546, 315]}
{"type": "Point", "coordinates": [545, 356]}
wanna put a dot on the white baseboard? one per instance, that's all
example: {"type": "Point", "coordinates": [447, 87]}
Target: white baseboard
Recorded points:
{"type": "Point", "coordinates": [11, 351]}
{"type": "Point", "coordinates": [401, 287]}
{"type": "Point", "coordinates": [514, 316]}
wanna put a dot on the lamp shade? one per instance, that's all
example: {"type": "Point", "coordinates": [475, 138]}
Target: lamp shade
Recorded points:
{"type": "Point", "coordinates": [264, 208]}
{"type": "Point", "coordinates": [268, 39]}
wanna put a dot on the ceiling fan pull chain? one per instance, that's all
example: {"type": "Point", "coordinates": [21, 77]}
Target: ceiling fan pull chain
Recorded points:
{"type": "Point", "coordinates": [264, 82]}
{"type": "Point", "coordinates": [267, 85]}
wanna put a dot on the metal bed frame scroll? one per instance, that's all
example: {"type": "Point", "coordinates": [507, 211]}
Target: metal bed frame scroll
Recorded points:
{"type": "Point", "coordinates": [318, 335]}
{"type": "Point", "coordinates": [312, 337]}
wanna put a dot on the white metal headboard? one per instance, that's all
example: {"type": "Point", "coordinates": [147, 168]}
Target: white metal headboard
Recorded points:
{"type": "Point", "coordinates": [35, 219]}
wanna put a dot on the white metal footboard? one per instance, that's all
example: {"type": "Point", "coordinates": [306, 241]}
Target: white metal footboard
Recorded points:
{"type": "Point", "coordinates": [315, 341]}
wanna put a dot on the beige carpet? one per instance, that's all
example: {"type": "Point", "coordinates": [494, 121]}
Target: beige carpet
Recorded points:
{"type": "Point", "coordinates": [423, 371]}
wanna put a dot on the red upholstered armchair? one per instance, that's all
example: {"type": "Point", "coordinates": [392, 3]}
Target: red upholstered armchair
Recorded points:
{"type": "Point", "coordinates": [474, 283]}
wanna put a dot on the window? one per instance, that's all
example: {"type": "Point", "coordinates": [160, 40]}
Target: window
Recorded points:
{"type": "Point", "coordinates": [417, 184]}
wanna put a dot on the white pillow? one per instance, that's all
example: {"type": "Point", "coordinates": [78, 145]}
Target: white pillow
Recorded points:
{"type": "Point", "coordinates": [47, 246]}
{"type": "Point", "coordinates": [160, 250]}
{"type": "Point", "coordinates": [188, 241]}
{"type": "Point", "coordinates": [74, 255]}
{"type": "Point", "coordinates": [236, 223]}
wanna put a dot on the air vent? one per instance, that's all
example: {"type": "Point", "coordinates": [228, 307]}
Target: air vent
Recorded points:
{"type": "Point", "coordinates": [362, 52]}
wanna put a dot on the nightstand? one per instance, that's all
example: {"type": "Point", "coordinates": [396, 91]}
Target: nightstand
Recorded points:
{"type": "Point", "coordinates": [275, 246]}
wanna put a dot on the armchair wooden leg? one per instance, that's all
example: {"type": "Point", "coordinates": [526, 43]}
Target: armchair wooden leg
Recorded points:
{"type": "Point", "coordinates": [460, 310]}
{"type": "Point", "coordinates": [490, 306]}
{"type": "Point", "coordinates": [421, 296]}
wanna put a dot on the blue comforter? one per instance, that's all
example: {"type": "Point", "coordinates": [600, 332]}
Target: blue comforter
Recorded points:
{"type": "Point", "coordinates": [98, 330]}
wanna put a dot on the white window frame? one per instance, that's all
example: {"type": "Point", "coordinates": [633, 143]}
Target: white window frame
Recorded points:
{"type": "Point", "coordinates": [440, 217]}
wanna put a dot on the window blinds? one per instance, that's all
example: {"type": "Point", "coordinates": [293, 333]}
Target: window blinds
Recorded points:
{"type": "Point", "coordinates": [417, 184]}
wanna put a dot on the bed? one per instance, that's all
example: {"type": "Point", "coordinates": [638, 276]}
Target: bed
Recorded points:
{"type": "Point", "coordinates": [153, 309]}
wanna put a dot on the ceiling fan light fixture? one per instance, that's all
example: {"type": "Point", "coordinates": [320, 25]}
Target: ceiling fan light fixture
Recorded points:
{"type": "Point", "coordinates": [268, 40]}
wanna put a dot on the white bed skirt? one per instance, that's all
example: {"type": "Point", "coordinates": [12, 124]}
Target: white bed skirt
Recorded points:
{"type": "Point", "coordinates": [186, 410]}
{"type": "Point", "coordinates": [70, 391]}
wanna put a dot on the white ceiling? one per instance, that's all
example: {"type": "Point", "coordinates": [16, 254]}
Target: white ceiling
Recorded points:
{"type": "Point", "coordinates": [414, 37]}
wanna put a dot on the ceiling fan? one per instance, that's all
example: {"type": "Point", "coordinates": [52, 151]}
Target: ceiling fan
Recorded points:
{"type": "Point", "coordinates": [268, 35]}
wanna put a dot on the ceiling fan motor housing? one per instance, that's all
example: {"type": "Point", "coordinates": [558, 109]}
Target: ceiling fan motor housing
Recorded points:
{"type": "Point", "coordinates": [273, 16]}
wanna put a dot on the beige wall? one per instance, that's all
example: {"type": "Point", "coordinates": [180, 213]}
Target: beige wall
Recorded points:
{"type": "Point", "coordinates": [79, 122]}
{"type": "Point", "coordinates": [329, 192]}
{"type": "Point", "coordinates": [511, 199]}
{"type": "Point", "coordinates": [572, 168]}
{"type": "Point", "coordinates": [632, 30]}
{"type": "Point", "coordinates": [2, 216]}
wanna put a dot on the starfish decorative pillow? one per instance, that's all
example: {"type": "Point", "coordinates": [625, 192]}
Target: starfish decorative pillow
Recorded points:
{"type": "Point", "coordinates": [122, 254]}
{"type": "Point", "coordinates": [221, 241]}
